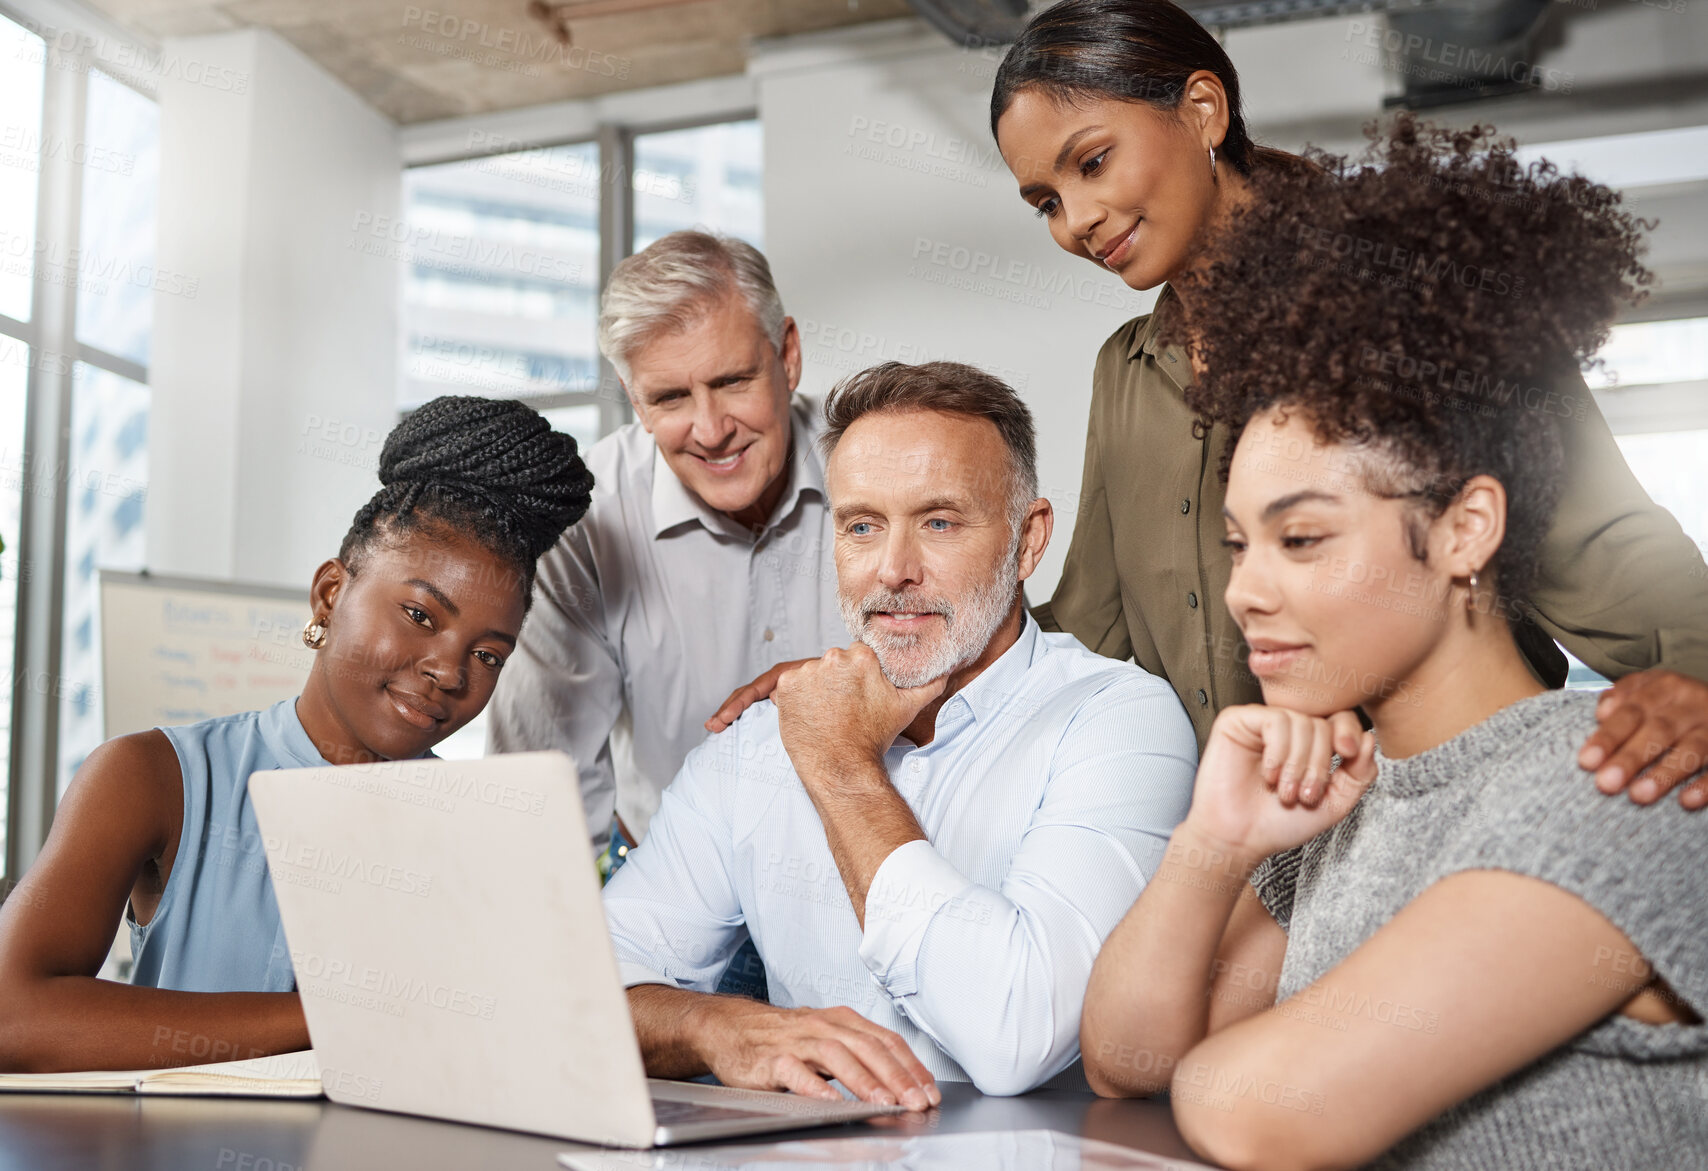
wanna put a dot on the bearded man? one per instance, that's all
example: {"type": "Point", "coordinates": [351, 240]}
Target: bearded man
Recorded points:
{"type": "Point", "coordinates": [926, 835]}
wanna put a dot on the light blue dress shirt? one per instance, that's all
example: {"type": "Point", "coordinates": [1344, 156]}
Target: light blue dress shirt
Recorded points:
{"type": "Point", "coordinates": [1048, 795]}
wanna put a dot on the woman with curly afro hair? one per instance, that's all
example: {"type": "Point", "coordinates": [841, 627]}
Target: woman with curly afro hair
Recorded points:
{"type": "Point", "coordinates": [411, 624]}
{"type": "Point", "coordinates": [1121, 122]}
{"type": "Point", "coordinates": [1460, 956]}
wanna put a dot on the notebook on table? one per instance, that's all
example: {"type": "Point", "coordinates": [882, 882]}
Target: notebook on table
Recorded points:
{"type": "Point", "coordinates": [450, 948]}
{"type": "Point", "coordinates": [285, 1075]}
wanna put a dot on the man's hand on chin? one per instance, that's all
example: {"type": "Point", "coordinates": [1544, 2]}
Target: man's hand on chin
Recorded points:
{"type": "Point", "coordinates": [839, 711]}
{"type": "Point", "coordinates": [838, 716]}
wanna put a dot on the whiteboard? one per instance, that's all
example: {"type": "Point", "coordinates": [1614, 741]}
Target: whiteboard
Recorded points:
{"type": "Point", "coordinates": [175, 650]}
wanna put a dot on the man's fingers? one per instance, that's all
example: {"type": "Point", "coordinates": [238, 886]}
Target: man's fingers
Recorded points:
{"type": "Point", "coordinates": [925, 692]}
{"type": "Point", "coordinates": [794, 1075]}
{"type": "Point", "coordinates": [878, 1058]}
{"type": "Point", "coordinates": [899, 1050]}
{"type": "Point", "coordinates": [837, 1059]}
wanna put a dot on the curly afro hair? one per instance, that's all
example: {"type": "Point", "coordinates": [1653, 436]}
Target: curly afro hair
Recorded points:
{"type": "Point", "coordinates": [1424, 304]}
{"type": "Point", "coordinates": [491, 469]}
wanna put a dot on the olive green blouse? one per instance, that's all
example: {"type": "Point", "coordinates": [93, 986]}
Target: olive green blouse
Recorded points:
{"type": "Point", "coordinates": [1620, 585]}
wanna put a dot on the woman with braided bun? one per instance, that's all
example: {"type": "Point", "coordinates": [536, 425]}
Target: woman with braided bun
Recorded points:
{"type": "Point", "coordinates": [1459, 956]}
{"type": "Point", "coordinates": [411, 624]}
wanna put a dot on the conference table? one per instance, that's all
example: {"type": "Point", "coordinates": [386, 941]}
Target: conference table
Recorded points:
{"type": "Point", "coordinates": [59, 1132]}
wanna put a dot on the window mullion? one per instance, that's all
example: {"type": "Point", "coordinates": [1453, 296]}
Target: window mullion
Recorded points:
{"type": "Point", "coordinates": [616, 241]}
{"type": "Point", "coordinates": [47, 454]}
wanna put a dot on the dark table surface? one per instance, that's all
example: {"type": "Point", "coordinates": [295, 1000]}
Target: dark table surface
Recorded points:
{"type": "Point", "coordinates": [50, 1132]}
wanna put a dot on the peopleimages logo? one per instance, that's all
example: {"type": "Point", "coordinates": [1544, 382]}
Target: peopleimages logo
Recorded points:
{"type": "Point", "coordinates": [1020, 281]}
{"type": "Point", "coordinates": [434, 780]}
{"type": "Point", "coordinates": [395, 238]}
{"type": "Point", "coordinates": [332, 977]}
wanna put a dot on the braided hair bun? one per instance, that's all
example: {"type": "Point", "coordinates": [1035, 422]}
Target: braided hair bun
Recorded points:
{"type": "Point", "coordinates": [492, 469]}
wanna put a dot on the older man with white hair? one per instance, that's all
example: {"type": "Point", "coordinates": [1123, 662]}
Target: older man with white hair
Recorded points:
{"type": "Point", "coordinates": [705, 557]}
{"type": "Point", "coordinates": [927, 834]}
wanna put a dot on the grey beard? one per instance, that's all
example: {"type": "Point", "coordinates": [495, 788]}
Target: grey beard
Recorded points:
{"type": "Point", "coordinates": [968, 627]}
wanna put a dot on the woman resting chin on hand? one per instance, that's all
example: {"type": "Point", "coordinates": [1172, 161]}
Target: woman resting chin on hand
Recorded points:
{"type": "Point", "coordinates": [1450, 951]}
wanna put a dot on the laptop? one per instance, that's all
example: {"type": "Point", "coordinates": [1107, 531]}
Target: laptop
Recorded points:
{"type": "Point", "coordinates": [451, 952]}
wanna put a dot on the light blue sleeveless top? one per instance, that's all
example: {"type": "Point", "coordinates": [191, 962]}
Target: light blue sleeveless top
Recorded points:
{"type": "Point", "coordinates": [217, 928]}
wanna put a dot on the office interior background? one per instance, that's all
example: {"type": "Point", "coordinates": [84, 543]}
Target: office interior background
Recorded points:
{"type": "Point", "coordinates": [240, 238]}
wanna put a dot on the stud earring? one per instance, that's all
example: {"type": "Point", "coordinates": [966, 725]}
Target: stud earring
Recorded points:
{"type": "Point", "coordinates": [314, 634]}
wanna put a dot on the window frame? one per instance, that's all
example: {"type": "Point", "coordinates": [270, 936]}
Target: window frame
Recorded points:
{"type": "Point", "coordinates": [70, 46]}
{"type": "Point", "coordinates": [613, 124]}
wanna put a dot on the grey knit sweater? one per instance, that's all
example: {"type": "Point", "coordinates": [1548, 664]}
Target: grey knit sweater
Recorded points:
{"type": "Point", "coordinates": [1508, 795]}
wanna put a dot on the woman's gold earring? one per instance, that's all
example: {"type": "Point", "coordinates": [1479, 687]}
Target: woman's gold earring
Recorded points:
{"type": "Point", "coordinates": [1212, 162]}
{"type": "Point", "coordinates": [314, 634]}
{"type": "Point", "coordinates": [1471, 594]}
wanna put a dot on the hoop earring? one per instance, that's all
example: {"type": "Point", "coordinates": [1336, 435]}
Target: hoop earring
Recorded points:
{"type": "Point", "coordinates": [1212, 164]}
{"type": "Point", "coordinates": [314, 634]}
{"type": "Point", "coordinates": [1471, 594]}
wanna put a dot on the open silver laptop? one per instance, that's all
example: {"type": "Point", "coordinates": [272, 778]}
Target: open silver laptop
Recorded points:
{"type": "Point", "coordinates": [452, 956]}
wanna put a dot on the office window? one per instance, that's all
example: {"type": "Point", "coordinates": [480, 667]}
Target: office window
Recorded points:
{"type": "Point", "coordinates": [104, 484]}
{"type": "Point", "coordinates": [106, 491]}
{"type": "Point", "coordinates": [12, 482]}
{"type": "Point", "coordinates": [703, 177]}
{"type": "Point", "coordinates": [501, 271]}
{"type": "Point", "coordinates": [500, 276]}
{"type": "Point", "coordinates": [21, 80]}
{"type": "Point", "coordinates": [87, 366]}
{"type": "Point", "coordinates": [117, 276]}
{"type": "Point", "coordinates": [1653, 353]}
{"type": "Point", "coordinates": [21, 90]}
{"type": "Point", "coordinates": [1673, 467]}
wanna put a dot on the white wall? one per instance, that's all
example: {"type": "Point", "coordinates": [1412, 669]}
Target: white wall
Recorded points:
{"type": "Point", "coordinates": [274, 385]}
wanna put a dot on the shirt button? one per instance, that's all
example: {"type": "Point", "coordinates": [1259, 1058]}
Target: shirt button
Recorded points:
{"type": "Point", "coordinates": [914, 766]}
{"type": "Point", "coordinates": [1192, 600]}
{"type": "Point", "coordinates": [1185, 506]}
{"type": "Point", "coordinates": [1203, 699]}
{"type": "Point", "coordinates": [770, 634]}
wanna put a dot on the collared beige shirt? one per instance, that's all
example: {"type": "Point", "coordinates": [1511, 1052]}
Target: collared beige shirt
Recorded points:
{"type": "Point", "coordinates": [652, 609]}
{"type": "Point", "coordinates": [1620, 586]}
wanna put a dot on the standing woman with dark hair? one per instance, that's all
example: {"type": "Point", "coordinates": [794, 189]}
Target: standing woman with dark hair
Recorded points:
{"type": "Point", "coordinates": [411, 624]}
{"type": "Point", "coordinates": [1121, 121]}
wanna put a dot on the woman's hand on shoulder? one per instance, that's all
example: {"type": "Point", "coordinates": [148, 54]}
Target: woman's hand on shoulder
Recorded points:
{"type": "Point", "coordinates": [1651, 735]}
{"type": "Point", "coordinates": [1266, 784]}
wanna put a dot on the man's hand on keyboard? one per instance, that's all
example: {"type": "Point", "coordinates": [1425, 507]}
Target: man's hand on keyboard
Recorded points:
{"type": "Point", "coordinates": [762, 1047]}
